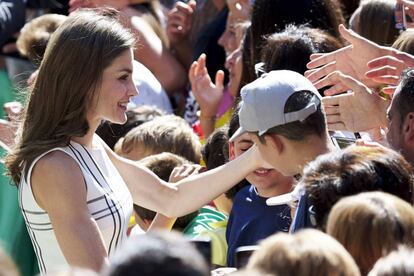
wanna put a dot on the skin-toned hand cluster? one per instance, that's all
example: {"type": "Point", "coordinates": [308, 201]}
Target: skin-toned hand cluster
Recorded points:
{"type": "Point", "coordinates": [356, 75]}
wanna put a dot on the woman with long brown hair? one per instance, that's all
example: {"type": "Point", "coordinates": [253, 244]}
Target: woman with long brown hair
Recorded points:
{"type": "Point", "coordinates": [75, 193]}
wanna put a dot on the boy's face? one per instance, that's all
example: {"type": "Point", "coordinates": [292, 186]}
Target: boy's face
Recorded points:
{"type": "Point", "coordinates": [279, 154]}
{"type": "Point", "coordinates": [262, 179]}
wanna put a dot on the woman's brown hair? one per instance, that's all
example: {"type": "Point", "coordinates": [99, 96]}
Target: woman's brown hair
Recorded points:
{"type": "Point", "coordinates": [371, 225]}
{"type": "Point", "coordinates": [69, 75]}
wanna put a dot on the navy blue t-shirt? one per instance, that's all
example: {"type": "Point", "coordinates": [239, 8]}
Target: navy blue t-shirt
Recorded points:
{"type": "Point", "coordinates": [251, 220]}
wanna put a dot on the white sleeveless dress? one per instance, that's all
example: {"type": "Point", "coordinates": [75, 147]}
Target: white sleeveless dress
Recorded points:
{"type": "Point", "coordinates": [108, 198]}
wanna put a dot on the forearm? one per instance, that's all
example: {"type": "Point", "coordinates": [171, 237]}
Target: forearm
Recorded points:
{"type": "Point", "coordinates": [207, 123]}
{"type": "Point", "coordinates": [198, 190]}
{"type": "Point", "coordinates": [161, 222]}
{"type": "Point", "coordinates": [188, 194]}
{"type": "Point", "coordinates": [170, 73]}
{"type": "Point", "coordinates": [184, 53]}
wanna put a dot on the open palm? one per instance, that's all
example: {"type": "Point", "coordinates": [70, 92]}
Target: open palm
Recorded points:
{"type": "Point", "coordinates": [357, 110]}
{"type": "Point", "coordinates": [351, 60]}
{"type": "Point", "coordinates": [207, 94]}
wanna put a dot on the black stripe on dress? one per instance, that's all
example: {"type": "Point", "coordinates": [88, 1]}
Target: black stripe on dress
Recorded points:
{"type": "Point", "coordinates": [120, 228]}
{"type": "Point", "coordinates": [32, 235]}
{"type": "Point", "coordinates": [106, 198]}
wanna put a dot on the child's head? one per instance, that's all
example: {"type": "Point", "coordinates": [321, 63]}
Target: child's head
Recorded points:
{"type": "Point", "coordinates": [283, 114]}
{"type": "Point", "coordinates": [158, 253]}
{"type": "Point", "coordinates": [399, 262]}
{"type": "Point", "coordinates": [215, 151]}
{"type": "Point", "coordinates": [111, 133]}
{"type": "Point", "coordinates": [168, 133]}
{"type": "Point", "coordinates": [265, 180]}
{"type": "Point", "coordinates": [370, 225]}
{"type": "Point", "coordinates": [35, 35]}
{"type": "Point", "coordinates": [162, 165]}
{"type": "Point", "coordinates": [307, 252]}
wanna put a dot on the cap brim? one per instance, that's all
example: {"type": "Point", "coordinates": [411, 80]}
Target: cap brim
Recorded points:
{"type": "Point", "coordinates": [237, 134]}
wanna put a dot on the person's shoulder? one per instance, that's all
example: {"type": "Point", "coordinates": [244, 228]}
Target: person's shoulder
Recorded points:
{"type": "Point", "coordinates": [56, 167]}
{"type": "Point", "coordinates": [57, 178]}
{"type": "Point", "coordinates": [56, 159]}
{"type": "Point", "coordinates": [243, 193]}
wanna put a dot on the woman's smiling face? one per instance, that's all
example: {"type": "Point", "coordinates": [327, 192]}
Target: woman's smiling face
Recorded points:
{"type": "Point", "coordinates": [116, 89]}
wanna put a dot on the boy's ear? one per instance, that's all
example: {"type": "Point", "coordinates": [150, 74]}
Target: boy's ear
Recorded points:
{"type": "Point", "coordinates": [231, 151]}
{"type": "Point", "coordinates": [408, 129]}
{"type": "Point", "coordinates": [274, 142]}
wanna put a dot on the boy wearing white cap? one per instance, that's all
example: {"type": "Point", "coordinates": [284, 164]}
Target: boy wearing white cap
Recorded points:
{"type": "Point", "coordinates": [283, 114]}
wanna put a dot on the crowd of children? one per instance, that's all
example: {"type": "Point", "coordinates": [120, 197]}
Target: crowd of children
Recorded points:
{"type": "Point", "coordinates": [160, 137]}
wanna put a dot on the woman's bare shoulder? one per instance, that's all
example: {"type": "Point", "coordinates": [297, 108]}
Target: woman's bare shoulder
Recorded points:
{"type": "Point", "coordinates": [57, 176]}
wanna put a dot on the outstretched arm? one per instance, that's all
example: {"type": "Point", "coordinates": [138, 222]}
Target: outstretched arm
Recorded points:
{"type": "Point", "coordinates": [179, 22]}
{"type": "Point", "coordinates": [187, 195]}
{"type": "Point", "coordinates": [160, 221]}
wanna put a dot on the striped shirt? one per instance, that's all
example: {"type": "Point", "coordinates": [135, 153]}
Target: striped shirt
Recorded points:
{"type": "Point", "coordinates": [108, 198]}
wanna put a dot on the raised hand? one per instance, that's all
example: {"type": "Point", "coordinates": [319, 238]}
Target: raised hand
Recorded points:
{"type": "Point", "coordinates": [179, 21]}
{"type": "Point", "coordinates": [184, 171]}
{"type": "Point", "coordinates": [358, 110]}
{"type": "Point", "coordinates": [207, 94]}
{"type": "Point", "coordinates": [387, 69]}
{"type": "Point", "coordinates": [351, 60]}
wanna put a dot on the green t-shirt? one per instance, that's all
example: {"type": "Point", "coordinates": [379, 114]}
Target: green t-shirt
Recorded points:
{"type": "Point", "coordinates": [211, 223]}
{"type": "Point", "coordinates": [203, 221]}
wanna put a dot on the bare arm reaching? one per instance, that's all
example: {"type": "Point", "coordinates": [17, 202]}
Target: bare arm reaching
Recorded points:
{"type": "Point", "coordinates": [188, 194]}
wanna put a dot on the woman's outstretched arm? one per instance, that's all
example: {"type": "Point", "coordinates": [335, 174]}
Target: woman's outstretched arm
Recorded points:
{"type": "Point", "coordinates": [188, 194]}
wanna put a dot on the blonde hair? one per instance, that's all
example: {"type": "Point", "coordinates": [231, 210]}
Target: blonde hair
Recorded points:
{"type": "Point", "coordinates": [405, 42]}
{"type": "Point", "coordinates": [35, 35]}
{"type": "Point", "coordinates": [168, 133]}
{"type": "Point", "coordinates": [308, 252]}
{"type": "Point", "coordinates": [399, 262]}
{"type": "Point", "coordinates": [370, 225]}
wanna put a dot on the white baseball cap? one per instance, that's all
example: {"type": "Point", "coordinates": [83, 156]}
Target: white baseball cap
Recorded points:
{"type": "Point", "coordinates": [263, 101]}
